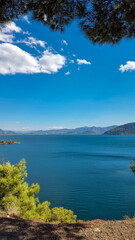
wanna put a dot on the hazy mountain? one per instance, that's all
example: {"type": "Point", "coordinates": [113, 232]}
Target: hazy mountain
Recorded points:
{"type": "Point", "coordinates": [76, 131]}
{"type": "Point", "coordinates": [126, 129]}
{"type": "Point", "coordinates": [7, 132]}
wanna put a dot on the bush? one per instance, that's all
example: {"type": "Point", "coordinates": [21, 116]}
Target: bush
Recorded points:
{"type": "Point", "coordinates": [63, 215]}
{"type": "Point", "coordinates": [18, 198]}
{"type": "Point", "coordinates": [10, 204]}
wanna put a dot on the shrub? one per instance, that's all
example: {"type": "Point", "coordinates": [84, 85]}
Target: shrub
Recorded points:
{"type": "Point", "coordinates": [10, 204]}
{"type": "Point", "coordinates": [18, 198]}
{"type": "Point", "coordinates": [44, 212]}
{"type": "Point", "coordinates": [63, 215]}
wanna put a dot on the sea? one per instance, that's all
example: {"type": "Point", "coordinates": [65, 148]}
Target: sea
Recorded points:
{"type": "Point", "coordinates": [90, 175]}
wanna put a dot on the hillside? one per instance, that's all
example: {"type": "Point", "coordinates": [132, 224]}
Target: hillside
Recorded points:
{"type": "Point", "coordinates": [6, 132]}
{"type": "Point", "coordinates": [126, 129]}
{"type": "Point", "coordinates": [12, 228]}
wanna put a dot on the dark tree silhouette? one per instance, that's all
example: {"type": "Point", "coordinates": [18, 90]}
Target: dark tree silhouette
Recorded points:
{"type": "Point", "coordinates": [108, 21]}
{"type": "Point", "coordinates": [103, 21]}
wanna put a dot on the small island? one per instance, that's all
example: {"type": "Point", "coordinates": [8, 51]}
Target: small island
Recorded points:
{"type": "Point", "coordinates": [4, 142]}
{"type": "Point", "coordinates": [133, 165]}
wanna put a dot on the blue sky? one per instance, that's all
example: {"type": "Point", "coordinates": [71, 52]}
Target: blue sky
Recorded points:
{"type": "Point", "coordinates": [55, 80]}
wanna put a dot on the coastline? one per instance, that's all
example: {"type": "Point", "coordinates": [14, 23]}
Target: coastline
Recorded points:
{"type": "Point", "coordinates": [17, 228]}
{"type": "Point", "coordinates": [9, 143]}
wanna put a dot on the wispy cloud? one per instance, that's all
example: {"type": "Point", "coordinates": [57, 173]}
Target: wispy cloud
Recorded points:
{"type": "Point", "coordinates": [64, 42]}
{"type": "Point", "coordinates": [56, 128]}
{"type": "Point", "coordinates": [72, 61]}
{"type": "Point", "coordinates": [68, 73]}
{"type": "Point", "coordinates": [6, 37]}
{"type": "Point", "coordinates": [26, 33]}
{"type": "Point", "coordinates": [11, 27]}
{"type": "Point", "coordinates": [26, 19]}
{"type": "Point", "coordinates": [15, 60]}
{"type": "Point", "coordinates": [32, 42]}
{"type": "Point", "coordinates": [27, 129]}
{"type": "Point", "coordinates": [129, 66]}
{"type": "Point", "coordinates": [83, 61]}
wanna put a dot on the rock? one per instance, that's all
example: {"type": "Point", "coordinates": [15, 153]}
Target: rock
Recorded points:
{"type": "Point", "coordinates": [96, 230]}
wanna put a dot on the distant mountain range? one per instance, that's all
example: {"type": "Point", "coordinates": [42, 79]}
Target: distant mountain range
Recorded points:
{"type": "Point", "coordinates": [7, 132]}
{"type": "Point", "coordinates": [126, 129]}
{"type": "Point", "coordinates": [76, 131]}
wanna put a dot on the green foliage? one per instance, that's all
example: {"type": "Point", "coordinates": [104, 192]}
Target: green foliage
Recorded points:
{"type": "Point", "coordinates": [57, 215]}
{"type": "Point", "coordinates": [17, 197]}
{"type": "Point", "coordinates": [44, 211]}
{"type": "Point", "coordinates": [2, 141]}
{"type": "Point", "coordinates": [12, 178]}
{"type": "Point", "coordinates": [63, 215]}
{"type": "Point", "coordinates": [14, 191]}
{"type": "Point", "coordinates": [108, 21]}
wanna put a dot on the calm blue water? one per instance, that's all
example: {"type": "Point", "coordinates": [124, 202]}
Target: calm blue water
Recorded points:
{"type": "Point", "coordinates": [88, 174]}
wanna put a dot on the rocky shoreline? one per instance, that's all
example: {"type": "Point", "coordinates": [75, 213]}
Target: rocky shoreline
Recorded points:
{"type": "Point", "coordinates": [19, 229]}
{"type": "Point", "coordinates": [8, 142]}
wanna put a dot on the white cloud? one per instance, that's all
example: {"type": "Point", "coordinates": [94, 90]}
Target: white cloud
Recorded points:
{"type": "Point", "coordinates": [61, 49]}
{"type": "Point", "coordinates": [129, 66]}
{"type": "Point", "coordinates": [83, 61]}
{"type": "Point", "coordinates": [26, 19]}
{"type": "Point", "coordinates": [11, 27]}
{"type": "Point", "coordinates": [68, 73]}
{"type": "Point", "coordinates": [14, 60]}
{"type": "Point", "coordinates": [64, 42]}
{"type": "Point", "coordinates": [6, 37]}
{"type": "Point", "coordinates": [31, 42]}
{"type": "Point", "coordinates": [50, 62]}
{"type": "Point", "coordinates": [74, 55]}
{"type": "Point", "coordinates": [6, 32]}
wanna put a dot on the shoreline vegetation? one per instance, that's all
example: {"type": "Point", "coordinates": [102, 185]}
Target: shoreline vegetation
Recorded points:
{"type": "Point", "coordinates": [4, 142]}
{"type": "Point", "coordinates": [21, 212]}
{"type": "Point", "coordinates": [19, 199]}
